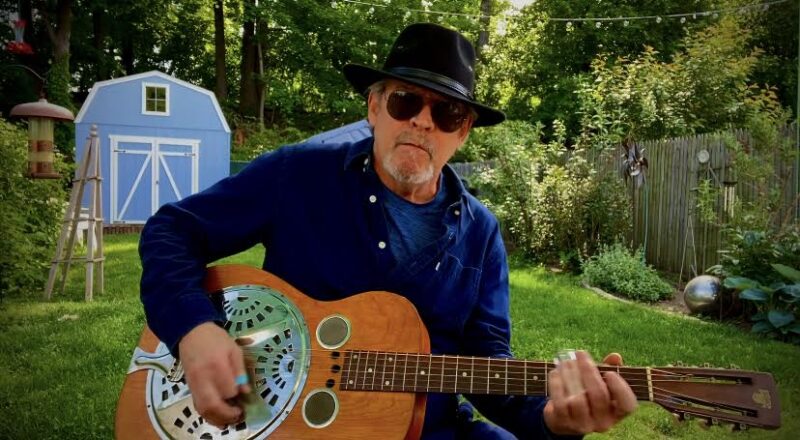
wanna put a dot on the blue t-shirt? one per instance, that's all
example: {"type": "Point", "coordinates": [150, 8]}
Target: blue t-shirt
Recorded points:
{"type": "Point", "coordinates": [413, 226]}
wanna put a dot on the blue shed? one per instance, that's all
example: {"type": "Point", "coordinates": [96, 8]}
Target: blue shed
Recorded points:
{"type": "Point", "coordinates": [161, 139]}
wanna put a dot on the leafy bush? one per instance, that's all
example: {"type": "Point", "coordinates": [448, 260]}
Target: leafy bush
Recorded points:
{"type": "Point", "coordinates": [32, 212]}
{"type": "Point", "coordinates": [258, 141]}
{"type": "Point", "coordinates": [551, 204]}
{"type": "Point", "coordinates": [776, 303]}
{"type": "Point", "coordinates": [618, 270]}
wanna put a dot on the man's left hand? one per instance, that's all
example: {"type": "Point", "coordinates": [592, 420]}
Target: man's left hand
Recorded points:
{"type": "Point", "coordinates": [582, 400]}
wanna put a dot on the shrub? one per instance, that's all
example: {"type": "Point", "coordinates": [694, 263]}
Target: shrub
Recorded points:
{"type": "Point", "coordinates": [618, 270]}
{"type": "Point", "coordinates": [776, 303]}
{"type": "Point", "coordinates": [260, 141]}
{"type": "Point", "coordinates": [32, 212]}
{"type": "Point", "coordinates": [551, 204]}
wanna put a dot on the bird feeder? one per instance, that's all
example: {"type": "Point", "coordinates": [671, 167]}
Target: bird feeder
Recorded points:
{"type": "Point", "coordinates": [41, 120]}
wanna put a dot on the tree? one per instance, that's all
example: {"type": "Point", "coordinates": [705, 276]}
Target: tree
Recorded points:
{"type": "Point", "coordinates": [221, 84]}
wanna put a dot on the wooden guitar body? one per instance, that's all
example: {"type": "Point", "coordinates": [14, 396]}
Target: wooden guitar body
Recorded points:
{"type": "Point", "coordinates": [380, 321]}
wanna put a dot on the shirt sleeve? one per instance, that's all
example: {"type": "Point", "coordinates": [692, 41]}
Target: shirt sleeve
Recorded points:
{"type": "Point", "coordinates": [488, 331]}
{"type": "Point", "coordinates": [181, 238]}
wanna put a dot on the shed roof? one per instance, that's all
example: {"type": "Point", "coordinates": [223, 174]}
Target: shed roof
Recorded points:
{"type": "Point", "coordinates": [153, 73]}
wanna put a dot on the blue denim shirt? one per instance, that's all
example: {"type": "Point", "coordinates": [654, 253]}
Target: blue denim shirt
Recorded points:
{"type": "Point", "coordinates": [313, 209]}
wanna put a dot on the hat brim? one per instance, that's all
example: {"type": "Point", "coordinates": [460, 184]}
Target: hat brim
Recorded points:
{"type": "Point", "coordinates": [361, 77]}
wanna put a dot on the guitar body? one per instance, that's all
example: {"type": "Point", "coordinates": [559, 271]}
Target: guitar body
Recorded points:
{"type": "Point", "coordinates": [379, 321]}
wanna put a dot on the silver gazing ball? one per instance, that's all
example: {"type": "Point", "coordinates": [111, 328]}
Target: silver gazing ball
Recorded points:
{"type": "Point", "coordinates": [701, 294]}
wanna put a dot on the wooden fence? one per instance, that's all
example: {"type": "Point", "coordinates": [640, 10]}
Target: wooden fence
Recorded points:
{"type": "Point", "coordinates": [665, 215]}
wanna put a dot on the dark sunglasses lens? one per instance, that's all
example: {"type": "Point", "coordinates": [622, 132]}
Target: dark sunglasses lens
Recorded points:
{"type": "Point", "coordinates": [404, 105]}
{"type": "Point", "coordinates": [449, 115]}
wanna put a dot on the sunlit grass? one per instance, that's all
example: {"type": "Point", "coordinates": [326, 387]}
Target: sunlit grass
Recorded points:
{"type": "Point", "coordinates": [64, 361]}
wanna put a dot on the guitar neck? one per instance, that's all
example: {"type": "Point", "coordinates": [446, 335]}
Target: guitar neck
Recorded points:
{"type": "Point", "coordinates": [408, 372]}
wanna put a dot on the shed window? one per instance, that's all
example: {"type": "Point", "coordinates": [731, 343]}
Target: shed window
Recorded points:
{"type": "Point", "coordinates": [156, 99]}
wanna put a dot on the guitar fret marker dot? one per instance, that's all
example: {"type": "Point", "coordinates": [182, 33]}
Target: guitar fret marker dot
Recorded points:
{"type": "Point", "coordinates": [350, 382]}
{"type": "Point", "coordinates": [535, 377]}
{"type": "Point", "coordinates": [496, 376]}
{"type": "Point", "coordinates": [464, 374]}
{"type": "Point", "coordinates": [422, 372]}
{"type": "Point", "coordinates": [369, 370]}
{"type": "Point", "coordinates": [387, 382]}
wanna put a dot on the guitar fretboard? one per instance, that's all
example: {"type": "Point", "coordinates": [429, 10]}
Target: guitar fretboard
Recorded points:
{"type": "Point", "coordinates": [408, 372]}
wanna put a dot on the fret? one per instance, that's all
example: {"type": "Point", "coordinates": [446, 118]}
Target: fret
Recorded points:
{"type": "Point", "coordinates": [516, 377]}
{"type": "Point", "coordinates": [471, 373]}
{"type": "Point", "coordinates": [430, 364]}
{"type": "Point", "coordinates": [524, 378]}
{"type": "Point", "coordinates": [455, 386]}
{"type": "Point", "coordinates": [441, 376]}
{"type": "Point", "coordinates": [488, 371]}
{"type": "Point", "coordinates": [356, 354]}
{"type": "Point", "coordinates": [394, 369]}
{"type": "Point", "coordinates": [367, 370]}
{"type": "Point", "coordinates": [372, 371]}
{"type": "Point", "coordinates": [383, 373]}
{"type": "Point", "coordinates": [405, 367]}
{"type": "Point", "coordinates": [506, 384]}
{"type": "Point", "coordinates": [345, 371]}
{"type": "Point", "coordinates": [416, 373]}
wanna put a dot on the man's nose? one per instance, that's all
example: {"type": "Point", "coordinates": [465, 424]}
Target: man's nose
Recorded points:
{"type": "Point", "coordinates": [423, 119]}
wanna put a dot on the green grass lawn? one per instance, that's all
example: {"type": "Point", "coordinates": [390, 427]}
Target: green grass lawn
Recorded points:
{"type": "Point", "coordinates": [60, 377]}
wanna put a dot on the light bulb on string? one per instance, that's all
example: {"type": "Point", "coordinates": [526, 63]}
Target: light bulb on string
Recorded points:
{"type": "Point", "coordinates": [626, 23]}
{"type": "Point", "coordinates": [598, 25]}
{"type": "Point", "coordinates": [658, 19]}
{"type": "Point", "coordinates": [683, 20]}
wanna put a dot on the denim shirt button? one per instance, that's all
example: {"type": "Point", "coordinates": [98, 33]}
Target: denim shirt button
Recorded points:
{"type": "Point", "coordinates": [456, 212]}
{"type": "Point", "coordinates": [382, 244]}
{"type": "Point", "coordinates": [373, 199]}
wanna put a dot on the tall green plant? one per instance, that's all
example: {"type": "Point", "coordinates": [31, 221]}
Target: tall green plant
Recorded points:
{"type": "Point", "coordinates": [552, 205]}
{"type": "Point", "coordinates": [32, 212]}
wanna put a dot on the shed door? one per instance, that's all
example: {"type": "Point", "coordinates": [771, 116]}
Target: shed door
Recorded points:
{"type": "Point", "coordinates": [147, 172]}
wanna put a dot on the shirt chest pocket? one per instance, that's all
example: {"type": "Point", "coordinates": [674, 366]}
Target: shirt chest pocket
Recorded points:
{"type": "Point", "coordinates": [444, 294]}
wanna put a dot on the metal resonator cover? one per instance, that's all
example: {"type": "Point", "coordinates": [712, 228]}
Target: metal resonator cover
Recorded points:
{"type": "Point", "coordinates": [273, 335]}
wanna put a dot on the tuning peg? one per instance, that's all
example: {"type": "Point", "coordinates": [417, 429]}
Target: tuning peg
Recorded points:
{"type": "Point", "coordinates": [738, 427]}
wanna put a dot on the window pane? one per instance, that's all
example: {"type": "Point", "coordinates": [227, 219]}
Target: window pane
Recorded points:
{"type": "Point", "coordinates": [161, 106]}
{"type": "Point", "coordinates": [150, 92]}
{"type": "Point", "coordinates": [161, 93]}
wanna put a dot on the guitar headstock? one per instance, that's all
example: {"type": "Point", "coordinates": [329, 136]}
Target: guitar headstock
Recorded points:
{"type": "Point", "coordinates": [744, 398]}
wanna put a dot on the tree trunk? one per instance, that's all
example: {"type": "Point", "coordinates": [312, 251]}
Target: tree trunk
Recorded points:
{"type": "Point", "coordinates": [483, 36]}
{"type": "Point", "coordinates": [59, 78]}
{"type": "Point", "coordinates": [100, 32]}
{"type": "Point", "coordinates": [248, 98]}
{"type": "Point", "coordinates": [221, 87]}
{"type": "Point", "coordinates": [127, 54]}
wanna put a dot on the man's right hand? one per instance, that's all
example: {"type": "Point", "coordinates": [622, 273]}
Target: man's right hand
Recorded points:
{"type": "Point", "coordinates": [211, 362]}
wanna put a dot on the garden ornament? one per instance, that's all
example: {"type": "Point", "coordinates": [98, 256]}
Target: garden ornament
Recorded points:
{"type": "Point", "coordinates": [634, 163]}
{"type": "Point", "coordinates": [702, 294]}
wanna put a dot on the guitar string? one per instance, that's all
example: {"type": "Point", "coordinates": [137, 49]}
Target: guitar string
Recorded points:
{"type": "Point", "coordinates": [521, 366]}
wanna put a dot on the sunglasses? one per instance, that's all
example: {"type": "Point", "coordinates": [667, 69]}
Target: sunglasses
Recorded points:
{"type": "Point", "coordinates": [449, 116]}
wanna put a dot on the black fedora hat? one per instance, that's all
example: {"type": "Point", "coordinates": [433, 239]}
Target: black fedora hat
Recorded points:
{"type": "Point", "coordinates": [433, 57]}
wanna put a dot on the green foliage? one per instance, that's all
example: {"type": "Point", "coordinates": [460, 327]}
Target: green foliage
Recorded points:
{"type": "Point", "coordinates": [705, 87]}
{"type": "Point", "coordinates": [260, 141]}
{"type": "Point", "coordinates": [776, 303]}
{"type": "Point", "coordinates": [618, 270]}
{"type": "Point", "coordinates": [32, 212]}
{"type": "Point", "coordinates": [551, 204]}
{"type": "Point", "coordinates": [750, 254]}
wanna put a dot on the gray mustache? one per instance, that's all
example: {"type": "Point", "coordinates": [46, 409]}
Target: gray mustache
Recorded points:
{"type": "Point", "coordinates": [407, 138]}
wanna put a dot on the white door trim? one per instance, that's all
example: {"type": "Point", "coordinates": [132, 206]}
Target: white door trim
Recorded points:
{"type": "Point", "coordinates": [155, 165]}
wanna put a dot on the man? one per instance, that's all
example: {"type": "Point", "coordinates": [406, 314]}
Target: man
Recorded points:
{"type": "Point", "coordinates": [384, 213]}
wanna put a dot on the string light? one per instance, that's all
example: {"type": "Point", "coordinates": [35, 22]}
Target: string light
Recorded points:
{"type": "Point", "coordinates": [626, 20]}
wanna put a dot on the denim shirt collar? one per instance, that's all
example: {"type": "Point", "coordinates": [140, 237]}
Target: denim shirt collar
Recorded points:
{"type": "Point", "coordinates": [359, 156]}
